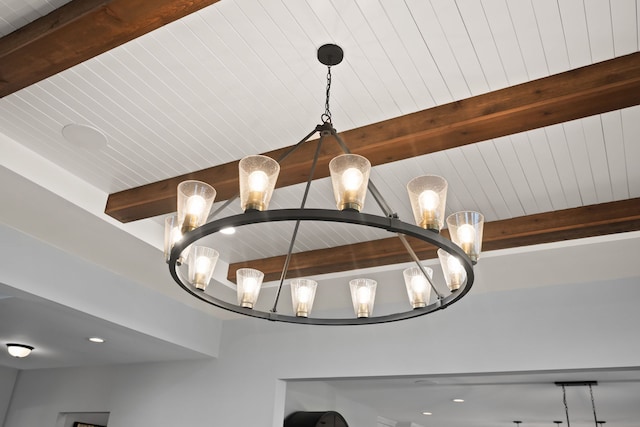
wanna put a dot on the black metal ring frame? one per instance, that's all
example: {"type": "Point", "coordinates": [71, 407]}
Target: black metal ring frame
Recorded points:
{"type": "Point", "coordinates": [387, 223]}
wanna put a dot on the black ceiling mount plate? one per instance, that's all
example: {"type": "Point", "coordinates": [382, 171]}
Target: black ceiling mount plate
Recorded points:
{"type": "Point", "coordinates": [575, 383]}
{"type": "Point", "coordinates": [330, 54]}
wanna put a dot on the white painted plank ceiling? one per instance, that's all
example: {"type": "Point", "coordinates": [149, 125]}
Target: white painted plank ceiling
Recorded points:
{"type": "Point", "coordinates": [241, 77]}
{"type": "Point", "coordinates": [15, 14]}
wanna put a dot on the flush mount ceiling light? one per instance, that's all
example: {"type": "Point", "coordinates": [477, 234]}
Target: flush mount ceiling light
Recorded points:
{"type": "Point", "coordinates": [192, 264]}
{"type": "Point", "coordinates": [19, 350]}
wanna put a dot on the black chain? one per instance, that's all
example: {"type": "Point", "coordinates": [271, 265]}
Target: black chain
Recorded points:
{"type": "Point", "coordinates": [326, 117]}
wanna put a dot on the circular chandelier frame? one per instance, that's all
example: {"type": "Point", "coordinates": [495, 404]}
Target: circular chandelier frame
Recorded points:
{"type": "Point", "coordinates": [390, 224]}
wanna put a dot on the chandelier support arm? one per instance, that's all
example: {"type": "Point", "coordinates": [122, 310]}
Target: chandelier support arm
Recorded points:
{"type": "Point", "coordinates": [298, 145]}
{"type": "Point", "coordinates": [223, 207]}
{"type": "Point", "coordinates": [415, 258]}
{"type": "Point", "coordinates": [285, 269]}
{"type": "Point", "coordinates": [380, 200]}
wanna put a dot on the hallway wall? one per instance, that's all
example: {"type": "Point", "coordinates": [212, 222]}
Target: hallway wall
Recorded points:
{"type": "Point", "coordinates": [484, 333]}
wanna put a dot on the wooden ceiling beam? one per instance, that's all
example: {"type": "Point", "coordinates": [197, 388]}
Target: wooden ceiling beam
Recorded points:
{"type": "Point", "coordinates": [583, 92]}
{"type": "Point", "coordinates": [588, 221]}
{"type": "Point", "coordinates": [80, 30]}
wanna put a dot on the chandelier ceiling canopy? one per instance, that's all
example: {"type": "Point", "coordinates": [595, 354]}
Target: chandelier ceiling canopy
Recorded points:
{"type": "Point", "coordinates": [192, 263]}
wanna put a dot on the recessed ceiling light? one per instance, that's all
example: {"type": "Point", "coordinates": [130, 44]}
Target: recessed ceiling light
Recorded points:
{"type": "Point", "coordinates": [228, 230]}
{"type": "Point", "coordinates": [96, 339]}
{"type": "Point", "coordinates": [458, 400]}
{"type": "Point", "coordinates": [84, 136]}
{"type": "Point", "coordinates": [19, 350]}
{"type": "Point", "coordinates": [427, 413]}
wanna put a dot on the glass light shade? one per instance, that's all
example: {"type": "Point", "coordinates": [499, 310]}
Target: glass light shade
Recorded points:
{"type": "Point", "coordinates": [418, 287]}
{"type": "Point", "coordinates": [428, 197]}
{"type": "Point", "coordinates": [350, 177]}
{"type": "Point", "coordinates": [202, 262]}
{"type": "Point", "coordinates": [303, 292]}
{"type": "Point", "coordinates": [249, 282]}
{"type": "Point", "coordinates": [363, 293]}
{"type": "Point", "coordinates": [195, 199]}
{"type": "Point", "coordinates": [172, 234]}
{"type": "Point", "coordinates": [454, 273]}
{"type": "Point", "coordinates": [19, 350]}
{"type": "Point", "coordinates": [258, 175]}
{"type": "Point", "coordinates": [465, 230]}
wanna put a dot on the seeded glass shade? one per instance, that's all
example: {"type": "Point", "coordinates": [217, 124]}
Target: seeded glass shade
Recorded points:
{"type": "Point", "coordinates": [418, 287]}
{"type": "Point", "coordinates": [19, 350]}
{"type": "Point", "coordinates": [303, 292]}
{"type": "Point", "coordinates": [172, 234]}
{"type": "Point", "coordinates": [202, 262]}
{"type": "Point", "coordinates": [363, 293]}
{"type": "Point", "coordinates": [428, 197]}
{"type": "Point", "coordinates": [258, 176]}
{"type": "Point", "coordinates": [454, 273]}
{"type": "Point", "coordinates": [350, 177]}
{"type": "Point", "coordinates": [195, 199]}
{"type": "Point", "coordinates": [249, 281]}
{"type": "Point", "coordinates": [465, 230]}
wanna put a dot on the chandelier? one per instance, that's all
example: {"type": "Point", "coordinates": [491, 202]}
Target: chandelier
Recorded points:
{"type": "Point", "coordinates": [191, 264]}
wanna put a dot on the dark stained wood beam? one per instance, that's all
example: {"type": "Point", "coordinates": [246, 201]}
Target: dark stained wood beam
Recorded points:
{"type": "Point", "coordinates": [595, 89]}
{"type": "Point", "coordinates": [588, 221]}
{"type": "Point", "coordinates": [80, 30]}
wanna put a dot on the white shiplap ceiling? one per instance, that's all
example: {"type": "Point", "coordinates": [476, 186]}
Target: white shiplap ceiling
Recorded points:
{"type": "Point", "coordinates": [16, 14]}
{"type": "Point", "coordinates": [241, 77]}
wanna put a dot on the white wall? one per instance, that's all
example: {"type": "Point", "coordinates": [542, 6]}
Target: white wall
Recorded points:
{"type": "Point", "coordinates": [143, 309]}
{"type": "Point", "coordinates": [309, 396]}
{"type": "Point", "coordinates": [319, 396]}
{"type": "Point", "coordinates": [7, 380]}
{"type": "Point", "coordinates": [490, 332]}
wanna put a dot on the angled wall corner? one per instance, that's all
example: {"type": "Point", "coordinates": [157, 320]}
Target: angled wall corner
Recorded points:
{"type": "Point", "coordinates": [36, 268]}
